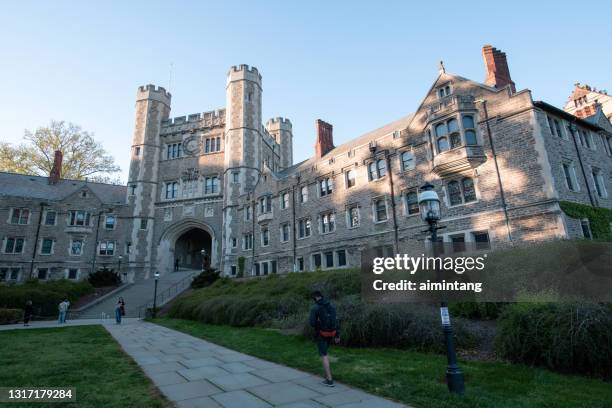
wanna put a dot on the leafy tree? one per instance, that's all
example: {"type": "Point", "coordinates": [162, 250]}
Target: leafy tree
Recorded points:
{"type": "Point", "coordinates": [84, 157]}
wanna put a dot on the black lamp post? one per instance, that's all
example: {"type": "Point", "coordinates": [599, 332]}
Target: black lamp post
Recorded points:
{"type": "Point", "coordinates": [155, 296]}
{"type": "Point", "coordinates": [429, 206]}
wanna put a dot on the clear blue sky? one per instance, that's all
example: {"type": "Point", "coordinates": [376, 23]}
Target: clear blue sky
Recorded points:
{"type": "Point", "coordinates": [356, 65]}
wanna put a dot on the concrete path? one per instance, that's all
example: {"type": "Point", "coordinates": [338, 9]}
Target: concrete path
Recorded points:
{"type": "Point", "coordinates": [136, 295]}
{"type": "Point", "coordinates": [193, 373]}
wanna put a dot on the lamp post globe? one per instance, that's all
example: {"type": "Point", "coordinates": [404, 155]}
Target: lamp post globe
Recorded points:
{"type": "Point", "coordinates": [429, 204]}
{"type": "Point", "coordinates": [156, 275]}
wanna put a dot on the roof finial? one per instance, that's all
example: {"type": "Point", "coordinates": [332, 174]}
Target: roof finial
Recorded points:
{"type": "Point", "coordinates": [441, 67]}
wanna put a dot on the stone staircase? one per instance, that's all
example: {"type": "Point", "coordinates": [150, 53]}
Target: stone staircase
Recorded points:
{"type": "Point", "coordinates": [138, 295]}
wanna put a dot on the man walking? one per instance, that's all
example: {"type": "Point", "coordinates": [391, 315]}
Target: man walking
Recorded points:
{"type": "Point", "coordinates": [63, 309]}
{"type": "Point", "coordinates": [28, 311]}
{"type": "Point", "coordinates": [323, 319]}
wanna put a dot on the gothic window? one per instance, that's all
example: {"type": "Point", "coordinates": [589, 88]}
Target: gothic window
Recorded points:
{"type": "Point", "coordinates": [20, 216]}
{"type": "Point", "coordinates": [13, 245]}
{"type": "Point", "coordinates": [441, 139]}
{"type": "Point", "coordinates": [326, 187]}
{"type": "Point", "coordinates": [412, 202]}
{"type": "Point", "coordinates": [172, 190]}
{"type": "Point", "coordinates": [247, 241]}
{"type": "Point", "coordinates": [380, 210]}
{"type": "Point", "coordinates": [109, 221]}
{"type": "Point", "coordinates": [377, 169]}
{"type": "Point", "coordinates": [469, 130]}
{"type": "Point", "coordinates": [304, 228]}
{"type": "Point", "coordinates": [284, 200]}
{"type": "Point", "coordinates": [407, 161]}
{"type": "Point", "coordinates": [455, 136]}
{"type": "Point", "coordinates": [469, 193]}
{"type": "Point", "coordinates": [174, 150]}
{"type": "Point", "coordinates": [76, 247]}
{"type": "Point", "coordinates": [211, 185]}
{"type": "Point", "coordinates": [598, 180]}
{"type": "Point", "coordinates": [350, 178]}
{"type": "Point", "coordinates": [47, 246]}
{"type": "Point", "coordinates": [460, 192]}
{"type": "Point", "coordinates": [341, 255]}
{"type": "Point", "coordinates": [50, 217]}
{"type": "Point", "coordinates": [454, 193]}
{"type": "Point", "coordinates": [304, 194]}
{"type": "Point", "coordinates": [285, 232]}
{"type": "Point", "coordinates": [79, 218]}
{"type": "Point", "coordinates": [328, 222]}
{"type": "Point", "coordinates": [265, 236]}
{"type": "Point", "coordinates": [570, 176]}
{"type": "Point", "coordinates": [353, 217]}
{"type": "Point", "coordinates": [106, 248]}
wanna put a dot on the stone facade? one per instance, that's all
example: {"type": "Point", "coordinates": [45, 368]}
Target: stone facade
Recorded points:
{"type": "Point", "coordinates": [223, 183]}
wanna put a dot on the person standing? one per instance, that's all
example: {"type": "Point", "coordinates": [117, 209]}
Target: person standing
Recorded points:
{"type": "Point", "coordinates": [28, 311]}
{"type": "Point", "coordinates": [323, 320]}
{"type": "Point", "coordinates": [63, 309]}
{"type": "Point", "coordinates": [118, 311]}
{"type": "Point", "coordinates": [176, 265]}
{"type": "Point", "coordinates": [122, 302]}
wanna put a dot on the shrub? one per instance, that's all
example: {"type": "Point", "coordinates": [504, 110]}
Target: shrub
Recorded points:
{"type": "Point", "coordinates": [599, 218]}
{"type": "Point", "coordinates": [411, 326]}
{"type": "Point", "coordinates": [477, 310]}
{"type": "Point", "coordinates": [8, 316]}
{"type": "Point", "coordinates": [104, 277]}
{"type": "Point", "coordinates": [241, 261]}
{"type": "Point", "coordinates": [204, 279]}
{"type": "Point", "coordinates": [569, 337]}
{"type": "Point", "coordinates": [45, 296]}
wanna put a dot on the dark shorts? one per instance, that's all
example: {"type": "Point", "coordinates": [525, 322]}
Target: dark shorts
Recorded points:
{"type": "Point", "coordinates": [323, 344]}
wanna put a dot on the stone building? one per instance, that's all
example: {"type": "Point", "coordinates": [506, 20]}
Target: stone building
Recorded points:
{"type": "Point", "coordinates": [224, 183]}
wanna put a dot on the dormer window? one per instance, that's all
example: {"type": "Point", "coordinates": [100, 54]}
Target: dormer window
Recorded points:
{"type": "Point", "coordinates": [443, 91]}
{"type": "Point", "coordinates": [84, 193]}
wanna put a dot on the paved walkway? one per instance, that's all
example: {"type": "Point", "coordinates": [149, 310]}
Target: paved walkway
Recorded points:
{"type": "Point", "coordinates": [192, 372]}
{"type": "Point", "coordinates": [136, 295]}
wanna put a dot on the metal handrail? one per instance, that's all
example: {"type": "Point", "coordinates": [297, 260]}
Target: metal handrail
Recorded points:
{"type": "Point", "coordinates": [166, 294]}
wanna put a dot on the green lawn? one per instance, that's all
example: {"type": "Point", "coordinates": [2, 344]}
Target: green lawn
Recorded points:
{"type": "Point", "coordinates": [414, 378]}
{"type": "Point", "coordinates": [85, 357]}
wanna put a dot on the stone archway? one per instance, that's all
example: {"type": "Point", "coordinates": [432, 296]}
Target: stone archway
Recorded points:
{"type": "Point", "coordinates": [185, 241]}
{"type": "Point", "coordinates": [188, 248]}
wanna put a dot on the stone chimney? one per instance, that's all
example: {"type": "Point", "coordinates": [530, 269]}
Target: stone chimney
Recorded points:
{"type": "Point", "coordinates": [56, 170]}
{"type": "Point", "coordinates": [325, 138]}
{"type": "Point", "coordinates": [496, 65]}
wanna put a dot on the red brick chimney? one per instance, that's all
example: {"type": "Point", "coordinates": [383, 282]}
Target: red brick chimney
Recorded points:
{"type": "Point", "coordinates": [56, 170]}
{"type": "Point", "coordinates": [325, 138]}
{"type": "Point", "coordinates": [496, 65]}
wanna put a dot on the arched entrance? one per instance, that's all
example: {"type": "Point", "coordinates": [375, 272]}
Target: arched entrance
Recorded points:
{"type": "Point", "coordinates": [184, 241]}
{"type": "Point", "coordinates": [188, 248]}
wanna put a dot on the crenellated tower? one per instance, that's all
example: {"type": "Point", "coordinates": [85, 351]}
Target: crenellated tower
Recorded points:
{"type": "Point", "coordinates": [152, 106]}
{"type": "Point", "coordinates": [282, 131]}
{"type": "Point", "coordinates": [243, 140]}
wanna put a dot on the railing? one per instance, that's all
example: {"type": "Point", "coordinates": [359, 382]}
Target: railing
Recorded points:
{"type": "Point", "coordinates": [449, 103]}
{"type": "Point", "coordinates": [165, 295]}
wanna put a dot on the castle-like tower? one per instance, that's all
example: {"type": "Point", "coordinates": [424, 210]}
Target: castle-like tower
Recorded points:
{"type": "Point", "coordinates": [152, 106]}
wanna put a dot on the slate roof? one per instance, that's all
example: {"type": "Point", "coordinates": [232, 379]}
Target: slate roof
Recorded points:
{"type": "Point", "coordinates": [399, 124]}
{"type": "Point", "coordinates": [37, 187]}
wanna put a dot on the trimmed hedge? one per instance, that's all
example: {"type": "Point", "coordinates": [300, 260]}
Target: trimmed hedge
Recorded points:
{"type": "Point", "coordinates": [477, 310]}
{"type": "Point", "coordinates": [569, 337]}
{"type": "Point", "coordinates": [599, 218]}
{"type": "Point", "coordinates": [104, 277]}
{"type": "Point", "coordinates": [205, 278]}
{"type": "Point", "coordinates": [284, 302]}
{"type": "Point", "coordinates": [45, 296]}
{"type": "Point", "coordinates": [9, 316]}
